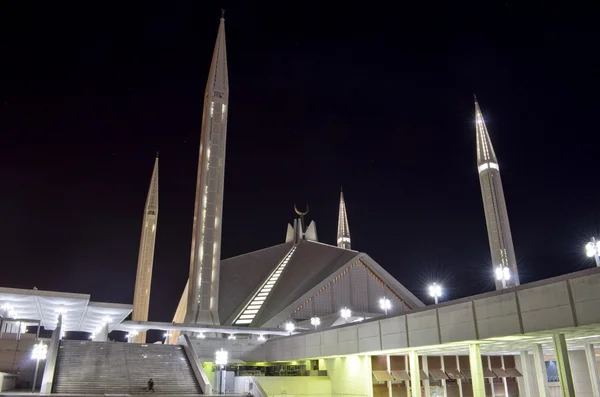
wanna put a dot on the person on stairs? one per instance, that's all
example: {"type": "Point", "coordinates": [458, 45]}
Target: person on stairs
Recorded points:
{"type": "Point", "coordinates": [150, 385]}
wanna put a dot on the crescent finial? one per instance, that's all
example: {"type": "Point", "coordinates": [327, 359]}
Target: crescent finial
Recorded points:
{"type": "Point", "coordinates": [300, 213]}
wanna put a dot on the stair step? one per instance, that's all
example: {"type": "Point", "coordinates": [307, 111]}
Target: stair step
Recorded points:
{"type": "Point", "coordinates": [101, 367]}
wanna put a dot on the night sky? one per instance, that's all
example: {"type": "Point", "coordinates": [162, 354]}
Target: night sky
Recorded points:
{"type": "Point", "coordinates": [375, 97]}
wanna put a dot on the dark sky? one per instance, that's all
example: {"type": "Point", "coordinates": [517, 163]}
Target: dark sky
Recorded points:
{"type": "Point", "coordinates": [375, 97]}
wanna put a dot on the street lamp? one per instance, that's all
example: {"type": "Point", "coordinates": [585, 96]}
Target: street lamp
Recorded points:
{"type": "Point", "coordinates": [593, 249]}
{"type": "Point", "coordinates": [315, 321]}
{"type": "Point", "coordinates": [40, 351]}
{"type": "Point", "coordinates": [435, 291]}
{"type": "Point", "coordinates": [200, 335]}
{"type": "Point", "coordinates": [385, 304]}
{"type": "Point", "coordinates": [503, 274]}
{"type": "Point", "coordinates": [221, 357]}
{"type": "Point", "coordinates": [290, 327]}
{"type": "Point", "coordinates": [231, 337]}
{"type": "Point", "coordinates": [345, 313]}
{"type": "Point", "coordinates": [261, 338]}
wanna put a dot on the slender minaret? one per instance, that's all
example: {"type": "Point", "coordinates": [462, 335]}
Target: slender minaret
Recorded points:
{"type": "Point", "coordinates": [496, 216]}
{"type": "Point", "coordinates": [343, 234]}
{"type": "Point", "coordinates": [203, 292]}
{"type": "Point", "coordinates": [143, 279]}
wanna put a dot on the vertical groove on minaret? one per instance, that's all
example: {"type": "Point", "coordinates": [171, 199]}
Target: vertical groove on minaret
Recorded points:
{"type": "Point", "coordinates": [343, 234]}
{"type": "Point", "coordinates": [203, 292]}
{"type": "Point", "coordinates": [496, 216]}
{"type": "Point", "coordinates": [143, 280]}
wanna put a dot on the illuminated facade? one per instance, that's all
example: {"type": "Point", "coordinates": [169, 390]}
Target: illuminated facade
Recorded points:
{"type": "Point", "coordinates": [496, 215]}
{"type": "Point", "coordinates": [143, 280]}
{"type": "Point", "coordinates": [203, 291]}
{"type": "Point", "coordinates": [343, 234]}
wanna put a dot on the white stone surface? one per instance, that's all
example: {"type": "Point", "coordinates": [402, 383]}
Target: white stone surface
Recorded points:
{"type": "Point", "coordinates": [586, 297]}
{"type": "Point", "coordinates": [457, 322]}
{"type": "Point", "coordinates": [497, 315]}
{"type": "Point", "coordinates": [545, 307]}
{"type": "Point", "coordinates": [422, 328]}
{"type": "Point", "coordinates": [581, 375]}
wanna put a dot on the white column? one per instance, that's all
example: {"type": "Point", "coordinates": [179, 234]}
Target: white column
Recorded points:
{"type": "Point", "coordinates": [389, 382]}
{"type": "Point", "coordinates": [444, 380]}
{"type": "Point", "coordinates": [504, 379]}
{"type": "Point", "coordinates": [489, 366]}
{"type": "Point", "coordinates": [425, 381]}
{"type": "Point", "coordinates": [564, 365]}
{"type": "Point", "coordinates": [459, 381]}
{"type": "Point", "coordinates": [49, 368]}
{"type": "Point", "coordinates": [102, 335]}
{"type": "Point", "coordinates": [541, 375]}
{"type": "Point", "coordinates": [582, 379]}
{"type": "Point", "coordinates": [526, 382]}
{"type": "Point", "coordinates": [407, 382]}
{"type": "Point", "coordinates": [593, 369]}
{"type": "Point", "coordinates": [415, 375]}
{"type": "Point", "coordinates": [476, 370]}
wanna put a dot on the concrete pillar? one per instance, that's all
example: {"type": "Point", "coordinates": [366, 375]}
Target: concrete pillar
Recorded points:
{"type": "Point", "coordinates": [102, 335]}
{"type": "Point", "coordinates": [504, 382]}
{"type": "Point", "coordinates": [476, 370]}
{"type": "Point", "coordinates": [564, 365]}
{"type": "Point", "coordinates": [415, 375]}
{"type": "Point", "coordinates": [526, 382]}
{"type": "Point", "coordinates": [426, 385]}
{"type": "Point", "coordinates": [407, 382]}
{"type": "Point", "coordinates": [389, 382]}
{"type": "Point", "coordinates": [459, 381]}
{"type": "Point", "coordinates": [593, 369]}
{"type": "Point", "coordinates": [582, 379]}
{"type": "Point", "coordinates": [444, 380]}
{"type": "Point", "coordinates": [488, 364]}
{"type": "Point", "coordinates": [49, 368]}
{"type": "Point", "coordinates": [541, 376]}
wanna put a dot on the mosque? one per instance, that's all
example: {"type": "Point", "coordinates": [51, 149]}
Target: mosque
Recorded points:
{"type": "Point", "coordinates": [308, 317]}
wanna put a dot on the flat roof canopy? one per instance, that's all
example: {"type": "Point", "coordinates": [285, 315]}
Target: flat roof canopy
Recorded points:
{"type": "Point", "coordinates": [141, 326]}
{"type": "Point", "coordinates": [79, 313]}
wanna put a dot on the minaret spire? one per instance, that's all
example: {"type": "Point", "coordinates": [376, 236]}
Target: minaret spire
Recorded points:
{"type": "Point", "coordinates": [143, 280]}
{"type": "Point", "coordinates": [343, 234]}
{"type": "Point", "coordinates": [496, 216]}
{"type": "Point", "coordinates": [203, 291]}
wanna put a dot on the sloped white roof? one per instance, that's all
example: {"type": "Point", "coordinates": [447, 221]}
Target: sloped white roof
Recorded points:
{"type": "Point", "coordinates": [79, 313]}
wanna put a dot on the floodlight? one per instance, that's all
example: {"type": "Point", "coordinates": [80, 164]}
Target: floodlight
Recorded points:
{"type": "Point", "coordinates": [345, 313]}
{"type": "Point", "coordinates": [221, 357]}
{"type": "Point", "coordinates": [290, 327]}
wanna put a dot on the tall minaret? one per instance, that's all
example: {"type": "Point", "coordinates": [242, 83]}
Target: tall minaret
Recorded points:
{"type": "Point", "coordinates": [203, 292]}
{"type": "Point", "coordinates": [143, 279]}
{"type": "Point", "coordinates": [343, 234]}
{"type": "Point", "coordinates": [496, 216]}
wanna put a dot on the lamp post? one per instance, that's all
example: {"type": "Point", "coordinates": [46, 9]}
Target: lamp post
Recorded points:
{"type": "Point", "coordinates": [345, 313]}
{"type": "Point", "coordinates": [503, 274]}
{"type": "Point", "coordinates": [221, 357]}
{"type": "Point", "coordinates": [435, 291]}
{"type": "Point", "coordinates": [40, 351]}
{"type": "Point", "coordinates": [385, 305]}
{"type": "Point", "coordinates": [315, 321]}
{"type": "Point", "coordinates": [290, 327]}
{"type": "Point", "coordinates": [593, 249]}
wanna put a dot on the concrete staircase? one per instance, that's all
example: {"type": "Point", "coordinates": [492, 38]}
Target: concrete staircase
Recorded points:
{"type": "Point", "coordinates": [86, 367]}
